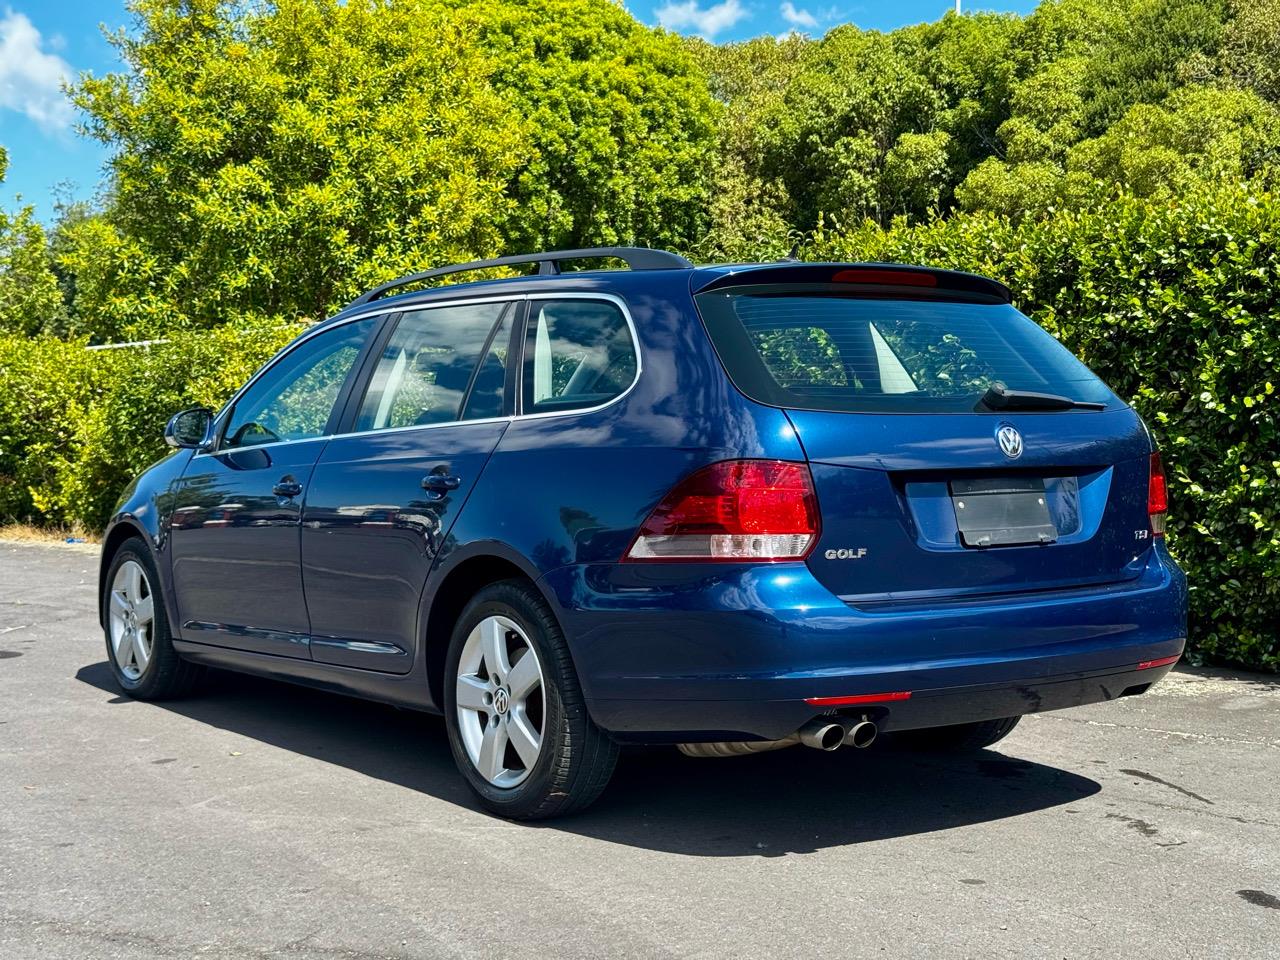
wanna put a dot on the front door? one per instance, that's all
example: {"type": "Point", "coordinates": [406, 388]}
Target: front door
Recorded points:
{"type": "Point", "coordinates": [385, 494]}
{"type": "Point", "coordinates": [235, 523]}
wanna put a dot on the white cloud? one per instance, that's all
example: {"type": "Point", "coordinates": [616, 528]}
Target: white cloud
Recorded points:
{"type": "Point", "coordinates": [30, 78]}
{"type": "Point", "coordinates": [797, 18]}
{"type": "Point", "coordinates": [690, 16]}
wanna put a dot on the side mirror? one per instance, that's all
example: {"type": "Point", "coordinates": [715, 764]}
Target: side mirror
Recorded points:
{"type": "Point", "coordinates": [189, 430]}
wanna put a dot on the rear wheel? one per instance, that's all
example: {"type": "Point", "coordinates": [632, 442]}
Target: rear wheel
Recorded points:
{"type": "Point", "coordinates": [139, 644]}
{"type": "Point", "coordinates": [518, 726]}
{"type": "Point", "coordinates": [959, 738]}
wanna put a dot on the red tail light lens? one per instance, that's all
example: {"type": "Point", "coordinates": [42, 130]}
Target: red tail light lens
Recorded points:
{"type": "Point", "coordinates": [737, 510]}
{"type": "Point", "coordinates": [1157, 496]}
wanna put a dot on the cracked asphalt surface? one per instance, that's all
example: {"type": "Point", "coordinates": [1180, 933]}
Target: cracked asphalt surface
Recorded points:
{"type": "Point", "coordinates": [259, 819]}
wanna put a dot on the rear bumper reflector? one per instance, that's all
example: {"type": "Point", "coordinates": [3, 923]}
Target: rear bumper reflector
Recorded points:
{"type": "Point", "coordinates": [861, 698]}
{"type": "Point", "coordinates": [1162, 662]}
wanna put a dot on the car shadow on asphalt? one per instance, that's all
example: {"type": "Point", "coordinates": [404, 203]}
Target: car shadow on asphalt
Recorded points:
{"type": "Point", "coordinates": [772, 804]}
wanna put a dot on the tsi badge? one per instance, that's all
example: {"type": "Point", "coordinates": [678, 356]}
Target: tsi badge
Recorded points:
{"type": "Point", "coordinates": [847, 553]}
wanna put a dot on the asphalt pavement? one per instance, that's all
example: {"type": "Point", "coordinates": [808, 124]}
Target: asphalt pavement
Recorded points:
{"type": "Point", "coordinates": [258, 819]}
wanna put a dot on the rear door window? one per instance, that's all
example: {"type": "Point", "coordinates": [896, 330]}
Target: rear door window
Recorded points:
{"type": "Point", "coordinates": [431, 360]}
{"type": "Point", "coordinates": [578, 354]}
{"type": "Point", "coordinates": [821, 351]}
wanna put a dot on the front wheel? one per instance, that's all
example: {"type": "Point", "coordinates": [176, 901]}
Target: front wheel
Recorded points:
{"type": "Point", "coordinates": [139, 644]}
{"type": "Point", "coordinates": [960, 737]}
{"type": "Point", "coordinates": [518, 726]}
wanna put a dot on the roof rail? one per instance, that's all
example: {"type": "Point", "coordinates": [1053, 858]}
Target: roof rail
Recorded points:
{"type": "Point", "coordinates": [636, 258]}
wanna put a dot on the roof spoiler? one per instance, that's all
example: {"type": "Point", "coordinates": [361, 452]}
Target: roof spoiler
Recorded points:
{"type": "Point", "coordinates": [884, 277]}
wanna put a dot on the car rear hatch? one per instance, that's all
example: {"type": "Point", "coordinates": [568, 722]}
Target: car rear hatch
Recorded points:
{"type": "Point", "coordinates": [957, 450]}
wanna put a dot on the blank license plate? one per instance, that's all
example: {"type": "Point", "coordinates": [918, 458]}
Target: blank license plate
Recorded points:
{"type": "Point", "coordinates": [1002, 513]}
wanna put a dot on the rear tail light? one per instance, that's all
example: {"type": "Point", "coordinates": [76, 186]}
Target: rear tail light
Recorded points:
{"type": "Point", "coordinates": [1157, 496]}
{"type": "Point", "coordinates": [749, 510]}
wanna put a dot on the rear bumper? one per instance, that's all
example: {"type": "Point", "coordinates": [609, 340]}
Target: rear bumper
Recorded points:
{"type": "Point", "coordinates": [683, 720]}
{"type": "Point", "coordinates": [698, 653]}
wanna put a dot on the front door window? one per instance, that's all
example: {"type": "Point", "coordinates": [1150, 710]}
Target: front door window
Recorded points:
{"type": "Point", "coordinates": [294, 400]}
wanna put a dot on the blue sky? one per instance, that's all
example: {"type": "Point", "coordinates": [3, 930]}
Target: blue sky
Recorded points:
{"type": "Point", "coordinates": [44, 42]}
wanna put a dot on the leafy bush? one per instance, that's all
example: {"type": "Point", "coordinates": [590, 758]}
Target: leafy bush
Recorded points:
{"type": "Point", "coordinates": [1172, 302]}
{"type": "Point", "coordinates": [76, 424]}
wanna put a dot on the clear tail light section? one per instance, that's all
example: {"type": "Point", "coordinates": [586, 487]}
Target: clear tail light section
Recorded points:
{"type": "Point", "coordinates": [735, 510]}
{"type": "Point", "coordinates": [1157, 496]}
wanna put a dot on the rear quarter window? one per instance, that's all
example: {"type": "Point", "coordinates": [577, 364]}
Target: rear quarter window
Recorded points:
{"type": "Point", "coordinates": [819, 350]}
{"type": "Point", "coordinates": [579, 353]}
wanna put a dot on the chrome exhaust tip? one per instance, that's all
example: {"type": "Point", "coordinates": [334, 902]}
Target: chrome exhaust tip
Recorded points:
{"type": "Point", "coordinates": [860, 733]}
{"type": "Point", "coordinates": [822, 734]}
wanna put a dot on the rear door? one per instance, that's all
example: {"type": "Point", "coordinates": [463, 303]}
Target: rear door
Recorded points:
{"type": "Point", "coordinates": [386, 492]}
{"type": "Point", "coordinates": [926, 492]}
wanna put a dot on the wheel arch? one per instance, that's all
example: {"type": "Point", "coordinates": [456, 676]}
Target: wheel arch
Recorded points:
{"type": "Point", "coordinates": [121, 529]}
{"type": "Point", "coordinates": [451, 588]}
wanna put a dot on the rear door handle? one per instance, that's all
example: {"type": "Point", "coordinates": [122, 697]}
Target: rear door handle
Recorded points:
{"type": "Point", "coordinates": [440, 483]}
{"type": "Point", "coordinates": [287, 489]}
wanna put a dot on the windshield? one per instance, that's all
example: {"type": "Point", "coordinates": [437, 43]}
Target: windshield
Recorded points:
{"type": "Point", "coordinates": [825, 351]}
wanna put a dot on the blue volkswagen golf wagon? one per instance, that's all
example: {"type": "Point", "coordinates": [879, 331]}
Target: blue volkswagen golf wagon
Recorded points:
{"type": "Point", "coordinates": [730, 508]}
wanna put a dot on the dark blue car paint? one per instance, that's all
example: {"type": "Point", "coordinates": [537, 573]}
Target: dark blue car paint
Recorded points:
{"type": "Point", "coordinates": [668, 651]}
{"type": "Point", "coordinates": [660, 655]}
{"type": "Point", "coordinates": [233, 549]}
{"type": "Point", "coordinates": [370, 533]}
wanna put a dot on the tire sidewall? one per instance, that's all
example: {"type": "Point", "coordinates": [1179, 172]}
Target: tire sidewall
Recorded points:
{"type": "Point", "coordinates": [509, 600]}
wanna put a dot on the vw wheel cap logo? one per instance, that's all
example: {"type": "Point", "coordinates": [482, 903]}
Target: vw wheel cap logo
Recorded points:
{"type": "Point", "coordinates": [1010, 441]}
{"type": "Point", "coordinates": [501, 700]}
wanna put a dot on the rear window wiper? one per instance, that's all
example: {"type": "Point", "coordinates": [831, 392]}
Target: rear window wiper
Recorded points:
{"type": "Point", "coordinates": [1000, 397]}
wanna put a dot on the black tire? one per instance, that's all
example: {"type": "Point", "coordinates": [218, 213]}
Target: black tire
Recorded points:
{"type": "Point", "coordinates": [959, 738]}
{"type": "Point", "coordinates": [166, 675]}
{"type": "Point", "coordinates": [577, 757]}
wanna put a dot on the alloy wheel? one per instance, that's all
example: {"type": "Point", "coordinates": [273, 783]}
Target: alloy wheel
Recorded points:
{"type": "Point", "coordinates": [132, 619]}
{"type": "Point", "coordinates": [499, 697]}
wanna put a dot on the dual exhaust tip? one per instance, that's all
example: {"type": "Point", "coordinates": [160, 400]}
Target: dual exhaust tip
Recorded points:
{"type": "Point", "coordinates": [825, 733]}
{"type": "Point", "coordinates": [821, 733]}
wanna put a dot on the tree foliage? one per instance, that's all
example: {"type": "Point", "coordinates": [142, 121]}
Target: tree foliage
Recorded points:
{"type": "Point", "coordinates": [746, 211]}
{"type": "Point", "coordinates": [619, 123]}
{"type": "Point", "coordinates": [279, 158]}
{"type": "Point", "coordinates": [991, 112]}
{"type": "Point", "coordinates": [1250, 54]}
{"type": "Point", "coordinates": [30, 299]}
{"type": "Point", "coordinates": [274, 159]}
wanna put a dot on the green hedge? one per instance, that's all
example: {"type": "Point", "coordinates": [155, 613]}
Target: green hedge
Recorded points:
{"type": "Point", "coordinates": [76, 424]}
{"type": "Point", "coordinates": [1177, 306]}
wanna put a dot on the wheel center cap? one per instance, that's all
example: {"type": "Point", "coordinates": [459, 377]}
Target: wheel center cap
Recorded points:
{"type": "Point", "coordinates": [501, 700]}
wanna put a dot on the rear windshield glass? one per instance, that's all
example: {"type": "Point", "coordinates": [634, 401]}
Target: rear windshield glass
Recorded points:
{"type": "Point", "coordinates": [822, 351]}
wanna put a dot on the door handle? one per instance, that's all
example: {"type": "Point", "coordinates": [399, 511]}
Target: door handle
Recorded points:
{"type": "Point", "coordinates": [287, 488]}
{"type": "Point", "coordinates": [440, 483]}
